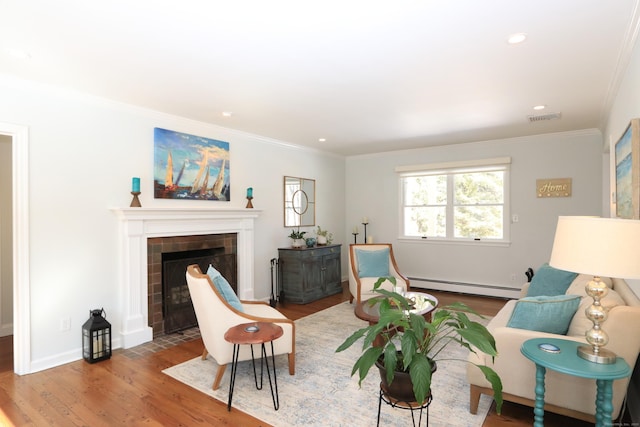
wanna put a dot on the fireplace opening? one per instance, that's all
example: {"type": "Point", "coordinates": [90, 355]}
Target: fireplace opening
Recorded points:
{"type": "Point", "coordinates": [178, 252]}
{"type": "Point", "coordinates": [177, 309]}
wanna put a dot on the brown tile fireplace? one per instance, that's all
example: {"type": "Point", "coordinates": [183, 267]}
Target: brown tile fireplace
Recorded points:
{"type": "Point", "coordinates": [135, 324]}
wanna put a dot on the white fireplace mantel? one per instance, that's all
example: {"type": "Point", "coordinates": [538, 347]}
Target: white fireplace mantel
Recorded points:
{"type": "Point", "coordinates": [139, 224]}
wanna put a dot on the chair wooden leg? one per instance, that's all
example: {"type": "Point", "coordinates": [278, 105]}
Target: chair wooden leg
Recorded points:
{"type": "Point", "coordinates": [219, 374]}
{"type": "Point", "coordinates": [474, 398]}
{"type": "Point", "coordinates": [350, 299]}
{"type": "Point", "coordinates": [204, 354]}
{"type": "Point", "coordinates": [292, 364]}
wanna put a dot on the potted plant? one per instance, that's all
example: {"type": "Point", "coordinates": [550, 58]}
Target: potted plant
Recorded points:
{"type": "Point", "coordinates": [323, 237]}
{"type": "Point", "coordinates": [297, 238]}
{"type": "Point", "coordinates": [411, 345]}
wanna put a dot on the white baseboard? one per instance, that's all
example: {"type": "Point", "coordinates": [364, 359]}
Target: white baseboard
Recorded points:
{"type": "Point", "coordinates": [55, 360]}
{"type": "Point", "coordinates": [465, 288]}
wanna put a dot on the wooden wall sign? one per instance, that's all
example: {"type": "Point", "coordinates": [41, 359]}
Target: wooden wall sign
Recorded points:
{"type": "Point", "coordinates": [553, 187]}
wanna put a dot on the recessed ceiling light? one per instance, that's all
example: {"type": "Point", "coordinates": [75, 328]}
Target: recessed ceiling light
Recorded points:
{"type": "Point", "coordinates": [227, 114]}
{"type": "Point", "coordinates": [322, 139]}
{"type": "Point", "coordinates": [539, 107]}
{"type": "Point", "coordinates": [516, 38]}
{"type": "Point", "coordinates": [18, 53]}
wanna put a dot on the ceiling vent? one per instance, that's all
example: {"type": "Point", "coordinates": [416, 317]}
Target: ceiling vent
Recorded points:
{"type": "Point", "coordinates": [544, 117]}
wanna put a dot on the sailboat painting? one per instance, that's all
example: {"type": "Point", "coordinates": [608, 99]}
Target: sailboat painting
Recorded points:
{"type": "Point", "coordinates": [190, 167]}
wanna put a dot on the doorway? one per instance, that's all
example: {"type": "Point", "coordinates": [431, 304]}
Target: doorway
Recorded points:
{"type": "Point", "coordinates": [15, 140]}
{"type": "Point", "coordinates": [6, 256]}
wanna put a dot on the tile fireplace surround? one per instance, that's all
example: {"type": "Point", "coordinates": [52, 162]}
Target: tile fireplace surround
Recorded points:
{"type": "Point", "coordinates": [139, 224]}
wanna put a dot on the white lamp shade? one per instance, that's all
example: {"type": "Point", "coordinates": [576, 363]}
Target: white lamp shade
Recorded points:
{"type": "Point", "coordinates": [606, 247]}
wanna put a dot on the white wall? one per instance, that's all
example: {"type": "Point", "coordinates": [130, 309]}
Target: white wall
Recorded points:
{"type": "Point", "coordinates": [6, 251]}
{"type": "Point", "coordinates": [372, 190]}
{"type": "Point", "coordinates": [626, 106]}
{"type": "Point", "coordinates": [83, 153]}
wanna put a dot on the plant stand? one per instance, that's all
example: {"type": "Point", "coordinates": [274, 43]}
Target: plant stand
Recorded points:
{"type": "Point", "coordinates": [412, 406]}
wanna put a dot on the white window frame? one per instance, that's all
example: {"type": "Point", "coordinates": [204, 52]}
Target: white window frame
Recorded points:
{"type": "Point", "coordinates": [449, 169]}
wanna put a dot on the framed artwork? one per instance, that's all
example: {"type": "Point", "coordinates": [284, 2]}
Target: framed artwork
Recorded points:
{"type": "Point", "coordinates": [190, 167]}
{"type": "Point", "coordinates": [627, 152]}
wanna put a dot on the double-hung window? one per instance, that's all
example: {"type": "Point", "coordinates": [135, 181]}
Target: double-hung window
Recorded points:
{"type": "Point", "coordinates": [459, 201]}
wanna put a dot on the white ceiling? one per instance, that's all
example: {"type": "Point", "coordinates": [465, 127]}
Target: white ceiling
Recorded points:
{"type": "Point", "coordinates": [368, 76]}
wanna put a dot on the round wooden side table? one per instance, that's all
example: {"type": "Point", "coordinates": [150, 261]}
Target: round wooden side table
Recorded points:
{"type": "Point", "coordinates": [250, 334]}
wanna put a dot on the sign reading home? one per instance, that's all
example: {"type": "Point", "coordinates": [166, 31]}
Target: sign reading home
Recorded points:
{"type": "Point", "coordinates": [553, 187]}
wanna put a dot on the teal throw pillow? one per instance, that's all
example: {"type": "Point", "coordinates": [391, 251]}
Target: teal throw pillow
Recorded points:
{"type": "Point", "coordinates": [224, 288]}
{"type": "Point", "coordinates": [550, 281]}
{"type": "Point", "coordinates": [373, 263]}
{"type": "Point", "coordinates": [550, 314]}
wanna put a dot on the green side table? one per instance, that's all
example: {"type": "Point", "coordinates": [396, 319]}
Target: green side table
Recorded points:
{"type": "Point", "coordinates": [568, 362]}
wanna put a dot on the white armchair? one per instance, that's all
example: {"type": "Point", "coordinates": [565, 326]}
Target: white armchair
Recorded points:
{"type": "Point", "coordinates": [215, 316]}
{"type": "Point", "coordinates": [377, 258]}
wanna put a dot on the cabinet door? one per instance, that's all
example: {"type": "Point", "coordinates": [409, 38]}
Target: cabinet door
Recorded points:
{"type": "Point", "coordinates": [331, 274]}
{"type": "Point", "coordinates": [291, 277]}
{"type": "Point", "coordinates": [312, 276]}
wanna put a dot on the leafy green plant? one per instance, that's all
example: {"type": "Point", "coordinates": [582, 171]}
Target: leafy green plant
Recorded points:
{"type": "Point", "coordinates": [413, 345]}
{"type": "Point", "coordinates": [325, 233]}
{"type": "Point", "coordinates": [297, 234]}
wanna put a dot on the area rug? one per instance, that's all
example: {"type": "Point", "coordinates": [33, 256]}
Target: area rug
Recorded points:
{"type": "Point", "coordinates": [322, 393]}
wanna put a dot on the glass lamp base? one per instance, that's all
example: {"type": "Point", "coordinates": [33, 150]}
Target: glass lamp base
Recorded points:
{"type": "Point", "coordinates": [604, 356]}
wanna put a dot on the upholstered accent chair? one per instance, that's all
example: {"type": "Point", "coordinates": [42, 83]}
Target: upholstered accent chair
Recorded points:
{"type": "Point", "coordinates": [216, 314]}
{"type": "Point", "coordinates": [367, 263]}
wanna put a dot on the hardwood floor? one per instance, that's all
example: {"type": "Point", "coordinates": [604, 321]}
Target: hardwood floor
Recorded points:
{"type": "Point", "coordinates": [129, 390]}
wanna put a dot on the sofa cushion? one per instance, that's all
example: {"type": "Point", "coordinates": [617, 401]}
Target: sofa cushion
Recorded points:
{"type": "Point", "coordinates": [373, 263]}
{"type": "Point", "coordinates": [550, 314]}
{"type": "Point", "coordinates": [580, 323]}
{"type": "Point", "coordinates": [224, 288]}
{"type": "Point", "coordinates": [580, 282]}
{"type": "Point", "coordinates": [550, 281]}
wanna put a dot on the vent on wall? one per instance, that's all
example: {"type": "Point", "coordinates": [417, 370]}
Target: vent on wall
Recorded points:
{"type": "Point", "coordinates": [543, 117]}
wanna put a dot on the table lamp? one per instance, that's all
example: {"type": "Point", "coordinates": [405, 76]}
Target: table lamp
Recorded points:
{"type": "Point", "coordinates": [602, 247]}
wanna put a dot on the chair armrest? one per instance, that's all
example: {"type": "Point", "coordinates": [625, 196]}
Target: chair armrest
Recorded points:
{"type": "Point", "coordinates": [263, 311]}
{"type": "Point", "coordinates": [252, 302]}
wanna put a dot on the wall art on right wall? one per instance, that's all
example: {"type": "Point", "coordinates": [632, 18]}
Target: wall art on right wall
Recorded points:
{"type": "Point", "coordinates": [628, 172]}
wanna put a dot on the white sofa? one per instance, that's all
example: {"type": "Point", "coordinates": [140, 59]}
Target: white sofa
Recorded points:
{"type": "Point", "coordinates": [565, 394]}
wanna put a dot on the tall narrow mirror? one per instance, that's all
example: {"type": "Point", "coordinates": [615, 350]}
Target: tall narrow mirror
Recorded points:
{"type": "Point", "coordinates": [299, 202]}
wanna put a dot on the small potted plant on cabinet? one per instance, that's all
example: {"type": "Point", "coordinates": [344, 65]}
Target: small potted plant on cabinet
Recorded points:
{"type": "Point", "coordinates": [411, 345]}
{"type": "Point", "coordinates": [297, 238]}
{"type": "Point", "coordinates": [323, 237]}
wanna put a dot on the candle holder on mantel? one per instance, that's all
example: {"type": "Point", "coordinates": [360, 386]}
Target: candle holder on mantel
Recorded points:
{"type": "Point", "coordinates": [355, 238]}
{"type": "Point", "coordinates": [249, 204]}
{"type": "Point", "coordinates": [365, 231]}
{"type": "Point", "coordinates": [135, 202]}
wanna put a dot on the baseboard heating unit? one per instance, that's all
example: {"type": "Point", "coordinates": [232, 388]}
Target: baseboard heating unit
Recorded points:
{"type": "Point", "coordinates": [465, 288]}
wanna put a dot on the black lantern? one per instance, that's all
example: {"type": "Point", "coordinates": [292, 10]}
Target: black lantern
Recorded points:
{"type": "Point", "coordinates": [96, 337]}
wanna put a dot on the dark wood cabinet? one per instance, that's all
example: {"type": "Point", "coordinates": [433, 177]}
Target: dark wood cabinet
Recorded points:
{"type": "Point", "coordinates": [309, 274]}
